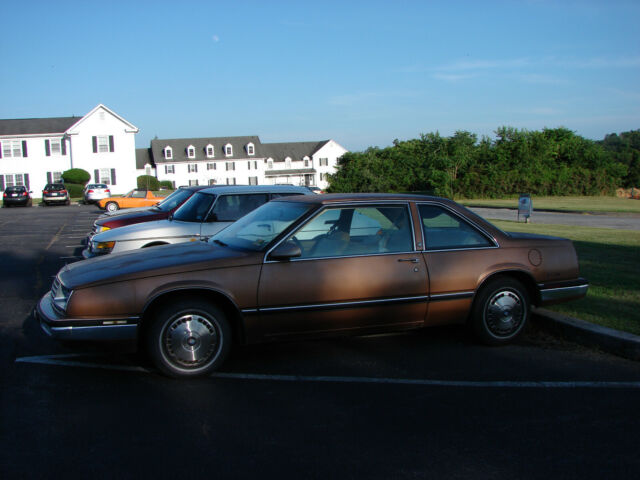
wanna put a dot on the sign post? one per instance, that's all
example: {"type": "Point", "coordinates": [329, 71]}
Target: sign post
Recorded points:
{"type": "Point", "coordinates": [525, 207]}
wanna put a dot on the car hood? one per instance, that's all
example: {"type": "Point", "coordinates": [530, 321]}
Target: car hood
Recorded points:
{"type": "Point", "coordinates": [161, 260]}
{"type": "Point", "coordinates": [149, 230]}
{"type": "Point", "coordinates": [128, 214]}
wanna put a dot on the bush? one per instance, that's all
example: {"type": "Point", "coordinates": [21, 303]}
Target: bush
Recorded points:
{"type": "Point", "coordinates": [167, 184]}
{"type": "Point", "coordinates": [75, 190]}
{"type": "Point", "coordinates": [76, 176]}
{"type": "Point", "coordinates": [148, 182]}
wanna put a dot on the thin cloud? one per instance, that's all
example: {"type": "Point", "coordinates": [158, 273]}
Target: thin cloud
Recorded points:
{"type": "Point", "coordinates": [215, 38]}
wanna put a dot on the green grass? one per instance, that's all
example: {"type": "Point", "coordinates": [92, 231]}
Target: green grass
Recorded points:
{"type": "Point", "coordinates": [610, 260]}
{"type": "Point", "coordinates": [577, 204]}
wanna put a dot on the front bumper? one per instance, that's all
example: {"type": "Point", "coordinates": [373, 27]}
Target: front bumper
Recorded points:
{"type": "Point", "coordinates": [83, 329]}
{"type": "Point", "coordinates": [559, 292]}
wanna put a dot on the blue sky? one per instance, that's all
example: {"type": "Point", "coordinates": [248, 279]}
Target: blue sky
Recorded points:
{"type": "Point", "coordinates": [361, 72]}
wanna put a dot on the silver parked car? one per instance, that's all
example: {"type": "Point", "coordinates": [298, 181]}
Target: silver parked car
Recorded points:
{"type": "Point", "coordinates": [204, 214]}
{"type": "Point", "coordinates": [95, 191]}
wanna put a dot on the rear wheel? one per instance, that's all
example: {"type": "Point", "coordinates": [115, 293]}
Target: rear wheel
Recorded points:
{"type": "Point", "coordinates": [189, 338]}
{"type": "Point", "coordinates": [501, 311]}
{"type": "Point", "coordinates": [112, 207]}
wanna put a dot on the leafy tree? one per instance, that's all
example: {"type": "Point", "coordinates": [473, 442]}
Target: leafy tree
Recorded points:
{"type": "Point", "coordinates": [148, 182]}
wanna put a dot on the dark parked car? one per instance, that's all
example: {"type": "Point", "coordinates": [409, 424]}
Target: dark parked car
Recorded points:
{"type": "Point", "coordinates": [55, 193]}
{"type": "Point", "coordinates": [16, 196]}
{"type": "Point", "coordinates": [310, 266]}
{"type": "Point", "coordinates": [159, 211]}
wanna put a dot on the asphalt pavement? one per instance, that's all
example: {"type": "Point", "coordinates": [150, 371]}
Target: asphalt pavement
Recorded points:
{"type": "Point", "coordinates": [620, 221]}
{"type": "Point", "coordinates": [427, 404]}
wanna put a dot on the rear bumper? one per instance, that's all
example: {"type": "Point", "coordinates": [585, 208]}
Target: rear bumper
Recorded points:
{"type": "Point", "coordinates": [75, 329]}
{"type": "Point", "coordinates": [55, 199]}
{"type": "Point", "coordinates": [559, 292]}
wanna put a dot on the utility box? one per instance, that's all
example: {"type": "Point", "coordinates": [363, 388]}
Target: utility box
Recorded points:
{"type": "Point", "coordinates": [525, 207]}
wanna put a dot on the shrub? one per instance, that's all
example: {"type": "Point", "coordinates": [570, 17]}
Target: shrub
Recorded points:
{"type": "Point", "coordinates": [76, 175]}
{"type": "Point", "coordinates": [166, 184]}
{"type": "Point", "coordinates": [148, 182]}
{"type": "Point", "coordinates": [75, 190]}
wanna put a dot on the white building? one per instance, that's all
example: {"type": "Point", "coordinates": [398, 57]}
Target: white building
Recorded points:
{"type": "Point", "coordinates": [35, 151]}
{"type": "Point", "coordinates": [240, 161]}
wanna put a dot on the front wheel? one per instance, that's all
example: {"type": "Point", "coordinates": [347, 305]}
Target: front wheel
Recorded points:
{"type": "Point", "coordinates": [112, 207]}
{"type": "Point", "coordinates": [189, 338]}
{"type": "Point", "coordinates": [501, 311]}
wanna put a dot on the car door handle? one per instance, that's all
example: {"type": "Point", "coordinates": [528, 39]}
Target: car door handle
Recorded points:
{"type": "Point", "coordinates": [411, 260]}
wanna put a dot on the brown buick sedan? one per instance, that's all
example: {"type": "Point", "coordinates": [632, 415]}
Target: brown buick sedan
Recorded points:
{"type": "Point", "coordinates": [310, 266]}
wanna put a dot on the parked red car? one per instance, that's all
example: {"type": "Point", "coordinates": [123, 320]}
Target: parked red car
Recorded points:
{"type": "Point", "coordinates": [160, 211]}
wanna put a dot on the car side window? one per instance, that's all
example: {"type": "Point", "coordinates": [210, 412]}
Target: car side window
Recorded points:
{"type": "Point", "coordinates": [139, 194]}
{"type": "Point", "coordinates": [229, 208]}
{"type": "Point", "coordinates": [336, 232]}
{"type": "Point", "coordinates": [445, 230]}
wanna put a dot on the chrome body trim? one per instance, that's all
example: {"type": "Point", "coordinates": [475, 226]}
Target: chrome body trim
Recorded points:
{"type": "Point", "coordinates": [339, 305]}
{"type": "Point", "coordinates": [561, 293]}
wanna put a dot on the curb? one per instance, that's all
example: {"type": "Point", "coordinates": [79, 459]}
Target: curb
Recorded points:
{"type": "Point", "coordinates": [588, 334]}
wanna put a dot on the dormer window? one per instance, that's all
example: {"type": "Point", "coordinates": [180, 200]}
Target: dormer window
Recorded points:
{"type": "Point", "coordinates": [191, 151]}
{"type": "Point", "coordinates": [251, 150]}
{"type": "Point", "coordinates": [307, 162]}
{"type": "Point", "coordinates": [210, 151]}
{"type": "Point", "coordinates": [228, 150]}
{"type": "Point", "coordinates": [270, 163]}
{"type": "Point", "coordinates": [168, 153]}
{"type": "Point", "coordinates": [287, 162]}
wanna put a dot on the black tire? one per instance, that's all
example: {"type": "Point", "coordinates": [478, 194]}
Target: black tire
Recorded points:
{"type": "Point", "coordinates": [68, 202]}
{"type": "Point", "coordinates": [111, 207]}
{"type": "Point", "coordinates": [189, 338]}
{"type": "Point", "coordinates": [501, 311]}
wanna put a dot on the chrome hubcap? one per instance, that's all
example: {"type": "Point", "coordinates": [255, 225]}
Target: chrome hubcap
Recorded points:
{"type": "Point", "coordinates": [504, 313]}
{"type": "Point", "coordinates": [190, 340]}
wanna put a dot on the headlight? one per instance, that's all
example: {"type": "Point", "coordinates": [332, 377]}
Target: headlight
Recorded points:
{"type": "Point", "coordinates": [60, 295]}
{"type": "Point", "coordinates": [102, 247]}
{"type": "Point", "coordinates": [102, 228]}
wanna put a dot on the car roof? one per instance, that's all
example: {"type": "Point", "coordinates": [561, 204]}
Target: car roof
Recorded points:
{"type": "Point", "coordinates": [220, 190]}
{"type": "Point", "coordinates": [363, 197]}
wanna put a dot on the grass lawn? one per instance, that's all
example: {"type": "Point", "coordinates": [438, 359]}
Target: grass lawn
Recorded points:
{"type": "Point", "coordinates": [610, 260]}
{"type": "Point", "coordinates": [577, 204]}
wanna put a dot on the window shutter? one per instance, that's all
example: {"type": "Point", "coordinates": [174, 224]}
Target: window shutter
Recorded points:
{"type": "Point", "coordinates": [26, 180]}
{"type": "Point", "coordinates": [96, 175]}
{"type": "Point", "coordinates": [49, 179]}
{"type": "Point", "coordinates": [113, 176]}
{"type": "Point", "coordinates": [24, 148]}
{"type": "Point", "coordinates": [63, 145]}
{"type": "Point", "coordinates": [111, 143]}
{"type": "Point", "coordinates": [1, 152]}
{"type": "Point", "coordinates": [1, 182]}
{"type": "Point", "coordinates": [94, 139]}
{"type": "Point", "coordinates": [47, 148]}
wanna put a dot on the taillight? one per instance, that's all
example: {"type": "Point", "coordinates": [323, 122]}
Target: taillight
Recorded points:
{"type": "Point", "coordinates": [25, 194]}
{"type": "Point", "coordinates": [63, 191]}
{"type": "Point", "coordinates": [89, 191]}
{"type": "Point", "coordinates": [107, 191]}
{"type": "Point", "coordinates": [45, 192]}
{"type": "Point", "coordinates": [4, 194]}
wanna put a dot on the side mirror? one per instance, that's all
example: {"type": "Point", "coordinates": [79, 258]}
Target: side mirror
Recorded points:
{"type": "Point", "coordinates": [286, 251]}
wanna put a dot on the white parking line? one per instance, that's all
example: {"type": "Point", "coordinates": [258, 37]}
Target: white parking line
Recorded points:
{"type": "Point", "coordinates": [68, 361]}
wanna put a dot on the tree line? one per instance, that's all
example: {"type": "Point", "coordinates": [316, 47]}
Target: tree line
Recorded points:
{"type": "Point", "coordinates": [548, 162]}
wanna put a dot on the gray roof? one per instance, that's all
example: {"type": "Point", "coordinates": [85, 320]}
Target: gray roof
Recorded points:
{"type": "Point", "coordinates": [143, 157]}
{"type": "Point", "coordinates": [295, 150]}
{"type": "Point", "coordinates": [34, 126]}
{"type": "Point", "coordinates": [179, 148]}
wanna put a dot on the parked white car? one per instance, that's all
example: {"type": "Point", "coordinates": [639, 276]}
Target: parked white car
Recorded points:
{"type": "Point", "coordinates": [204, 214]}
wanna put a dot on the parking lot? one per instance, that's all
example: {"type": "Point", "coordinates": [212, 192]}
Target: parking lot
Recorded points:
{"type": "Point", "coordinates": [429, 404]}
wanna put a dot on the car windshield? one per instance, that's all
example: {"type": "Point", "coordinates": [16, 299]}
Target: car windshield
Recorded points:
{"type": "Point", "coordinates": [173, 200]}
{"type": "Point", "coordinates": [15, 189]}
{"type": "Point", "coordinates": [195, 209]}
{"type": "Point", "coordinates": [257, 229]}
